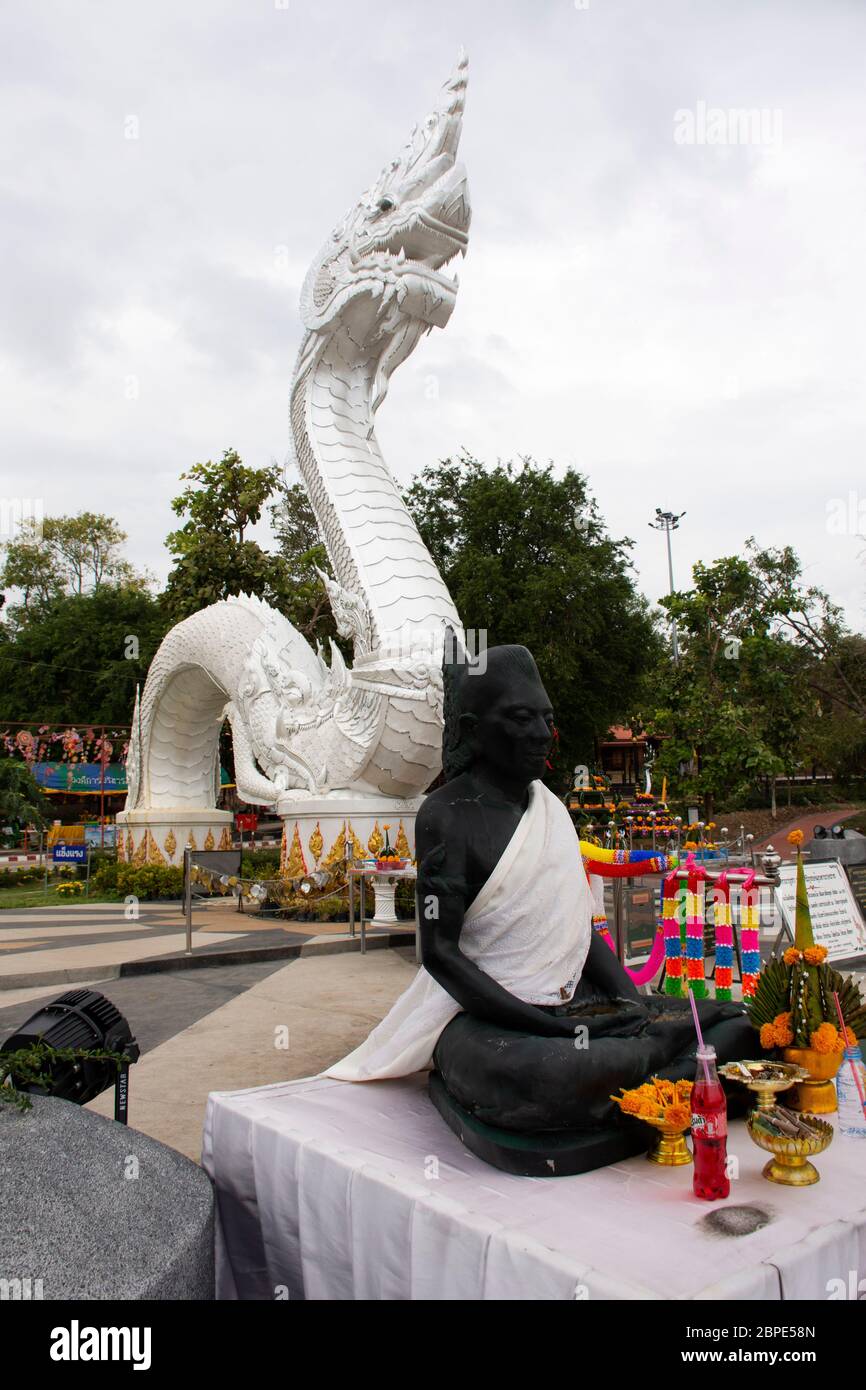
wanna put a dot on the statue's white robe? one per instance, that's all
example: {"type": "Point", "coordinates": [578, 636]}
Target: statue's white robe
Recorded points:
{"type": "Point", "coordinates": [529, 928]}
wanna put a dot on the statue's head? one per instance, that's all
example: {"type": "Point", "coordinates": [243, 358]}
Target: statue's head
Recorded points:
{"type": "Point", "coordinates": [498, 716]}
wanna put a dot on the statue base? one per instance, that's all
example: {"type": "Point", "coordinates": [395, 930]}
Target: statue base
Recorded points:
{"type": "Point", "coordinates": [160, 835]}
{"type": "Point", "coordinates": [538, 1154]}
{"type": "Point", "coordinates": [321, 833]}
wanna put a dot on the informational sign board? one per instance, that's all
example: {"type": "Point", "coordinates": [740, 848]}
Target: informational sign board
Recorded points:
{"type": "Point", "coordinates": [857, 879]}
{"type": "Point", "coordinates": [641, 910]}
{"type": "Point", "coordinates": [837, 921]}
{"type": "Point", "coordinates": [70, 854]}
{"type": "Point", "coordinates": [99, 835]}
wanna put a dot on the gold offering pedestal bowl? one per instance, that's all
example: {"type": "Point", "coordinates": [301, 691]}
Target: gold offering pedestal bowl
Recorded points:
{"type": "Point", "coordinates": [790, 1163]}
{"type": "Point", "coordinates": [670, 1148]}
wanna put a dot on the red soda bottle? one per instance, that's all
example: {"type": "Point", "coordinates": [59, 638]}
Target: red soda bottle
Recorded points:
{"type": "Point", "coordinates": [709, 1129]}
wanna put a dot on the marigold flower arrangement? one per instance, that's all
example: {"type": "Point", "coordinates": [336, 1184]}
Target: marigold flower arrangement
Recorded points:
{"type": "Point", "coordinates": [659, 1102]}
{"type": "Point", "coordinates": [793, 1005]}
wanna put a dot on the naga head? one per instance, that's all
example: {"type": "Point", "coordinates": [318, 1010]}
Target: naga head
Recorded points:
{"type": "Point", "coordinates": [380, 276]}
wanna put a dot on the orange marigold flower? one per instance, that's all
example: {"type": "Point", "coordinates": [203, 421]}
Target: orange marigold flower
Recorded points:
{"type": "Point", "coordinates": [650, 1110]}
{"type": "Point", "coordinates": [824, 1039]}
{"type": "Point", "coordinates": [630, 1104]}
{"type": "Point", "coordinates": [792, 956]}
{"type": "Point", "coordinates": [846, 1039]}
{"type": "Point", "coordinates": [679, 1116]}
{"type": "Point", "coordinates": [815, 955]}
{"type": "Point", "coordinates": [768, 1035]}
{"type": "Point", "coordinates": [783, 1031]}
{"type": "Point", "coordinates": [796, 837]}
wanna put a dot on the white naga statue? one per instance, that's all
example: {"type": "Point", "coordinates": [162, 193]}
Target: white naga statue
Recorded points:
{"type": "Point", "coordinates": [313, 738]}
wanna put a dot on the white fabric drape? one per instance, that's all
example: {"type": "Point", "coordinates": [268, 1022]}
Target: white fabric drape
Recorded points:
{"type": "Point", "coordinates": [329, 1191]}
{"type": "Point", "coordinates": [529, 928]}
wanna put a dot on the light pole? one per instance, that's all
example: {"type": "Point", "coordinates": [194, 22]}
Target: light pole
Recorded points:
{"type": "Point", "coordinates": [667, 522]}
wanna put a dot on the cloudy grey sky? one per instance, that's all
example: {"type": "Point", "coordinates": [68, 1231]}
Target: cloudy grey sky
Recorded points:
{"type": "Point", "coordinates": [682, 321]}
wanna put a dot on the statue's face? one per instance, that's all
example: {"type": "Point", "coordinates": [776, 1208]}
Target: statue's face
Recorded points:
{"type": "Point", "coordinates": [513, 733]}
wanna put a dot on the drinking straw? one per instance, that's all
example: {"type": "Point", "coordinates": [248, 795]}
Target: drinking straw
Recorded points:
{"type": "Point", "coordinates": [854, 1072]}
{"type": "Point", "coordinates": [694, 1004]}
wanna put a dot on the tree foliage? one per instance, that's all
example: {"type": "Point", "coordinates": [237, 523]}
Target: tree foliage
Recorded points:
{"type": "Point", "coordinates": [758, 651]}
{"type": "Point", "coordinates": [527, 558]}
{"type": "Point", "coordinates": [302, 553]}
{"type": "Point", "coordinates": [78, 658]}
{"type": "Point", "coordinates": [22, 801]}
{"type": "Point", "coordinates": [62, 556]}
{"type": "Point", "coordinates": [213, 556]}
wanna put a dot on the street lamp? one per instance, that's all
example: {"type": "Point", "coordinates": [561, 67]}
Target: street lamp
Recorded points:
{"type": "Point", "coordinates": [667, 522]}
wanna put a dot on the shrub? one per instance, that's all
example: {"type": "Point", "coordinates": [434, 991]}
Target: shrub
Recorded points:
{"type": "Point", "coordinates": [70, 889]}
{"type": "Point", "coordinates": [104, 877]}
{"type": "Point", "coordinates": [11, 878]}
{"type": "Point", "coordinates": [148, 882]}
{"type": "Point", "coordinates": [261, 863]}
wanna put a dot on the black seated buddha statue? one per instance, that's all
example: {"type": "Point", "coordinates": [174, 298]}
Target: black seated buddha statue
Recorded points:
{"type": "Point", "coordinates": [528, 1018]}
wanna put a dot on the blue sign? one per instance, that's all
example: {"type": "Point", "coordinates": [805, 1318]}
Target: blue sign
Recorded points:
{"type": "Point", "coordinates": [70, 854]}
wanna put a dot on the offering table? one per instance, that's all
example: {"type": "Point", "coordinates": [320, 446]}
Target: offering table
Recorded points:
{"type": "Point", "coordinates": [328, 1190]}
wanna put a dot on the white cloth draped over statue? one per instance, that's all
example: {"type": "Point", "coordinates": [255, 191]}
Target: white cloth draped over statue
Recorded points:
{"type": "Point", "coordinates": [529, 928]}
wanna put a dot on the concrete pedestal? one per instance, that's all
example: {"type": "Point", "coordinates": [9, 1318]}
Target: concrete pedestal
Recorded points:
{"type": "Point", "coordinates": [94, 1210]}
{"type": "Point", "coordinates": [160, 835]}
{"type": "Point", "coordinates": [383, 895]}
{"type": "Point", "coordinates": [322, 832]}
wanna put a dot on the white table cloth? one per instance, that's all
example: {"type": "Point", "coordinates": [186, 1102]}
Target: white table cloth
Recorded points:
{"type": "Point", "coordinates": [332, 1190]}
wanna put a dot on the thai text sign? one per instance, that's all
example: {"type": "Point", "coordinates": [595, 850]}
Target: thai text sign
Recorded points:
{"type": "Point", "coordinates": [70, 854]}
{"type": "Point", "coordinates": [836, 919]}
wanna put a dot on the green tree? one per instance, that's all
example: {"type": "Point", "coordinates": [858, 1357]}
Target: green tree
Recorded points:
{"type": "Point", "coordinates": [65, 555]}
{"type": "Point", "coordinates": [836, 666]}
{"type": "Point", "coordinates": [734, 708]}
{"type": "Point", "coordinates": [302, 553]}
{"type": "Point", "coordinates": [79, 657]}
{"type": "Point", "coordinates": [22, 801]}
{"type": "Point", "coordinates": [526, 557]}
{"type": "Point", "coordinates": [213, 556]}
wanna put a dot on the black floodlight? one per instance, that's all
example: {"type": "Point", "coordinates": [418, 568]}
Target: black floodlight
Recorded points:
{"type": "Point", "coordinates": [819, 832]}
{"type": "Point", "coordinates": [838, 832]}
{"type": "Point", "coordinates": [86, 1020]}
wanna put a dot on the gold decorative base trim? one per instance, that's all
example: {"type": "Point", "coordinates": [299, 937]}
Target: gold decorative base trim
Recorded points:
{"type": "Point", "coordinates": [813, 1097]}
{"type": "Point", "coordinates": [671, 1150]}
{"type": "Point", "coordinates": [791, 1170]}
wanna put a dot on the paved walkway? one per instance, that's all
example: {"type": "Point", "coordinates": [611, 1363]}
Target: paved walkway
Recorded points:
{"type": "Point", "coordinates": [294, 1022]}
{"type": "Point", "coordinates": [88, 941]}
{"type": "Point", "coordinates": [806, 823]}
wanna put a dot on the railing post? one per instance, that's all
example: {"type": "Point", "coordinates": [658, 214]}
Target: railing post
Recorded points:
{"type": "Point", "coordinates": [187, 898]}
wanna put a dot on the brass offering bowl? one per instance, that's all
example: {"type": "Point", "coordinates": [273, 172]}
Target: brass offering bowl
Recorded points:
{"type": "Point", "coordinates": [816, 1093]}
{"type": "Point", "coordinates": [670, 1148]}
{"type": "Point", "coordinates": [790, 1164]}
{"type": "Point", "coordinates": [766, 1079]}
